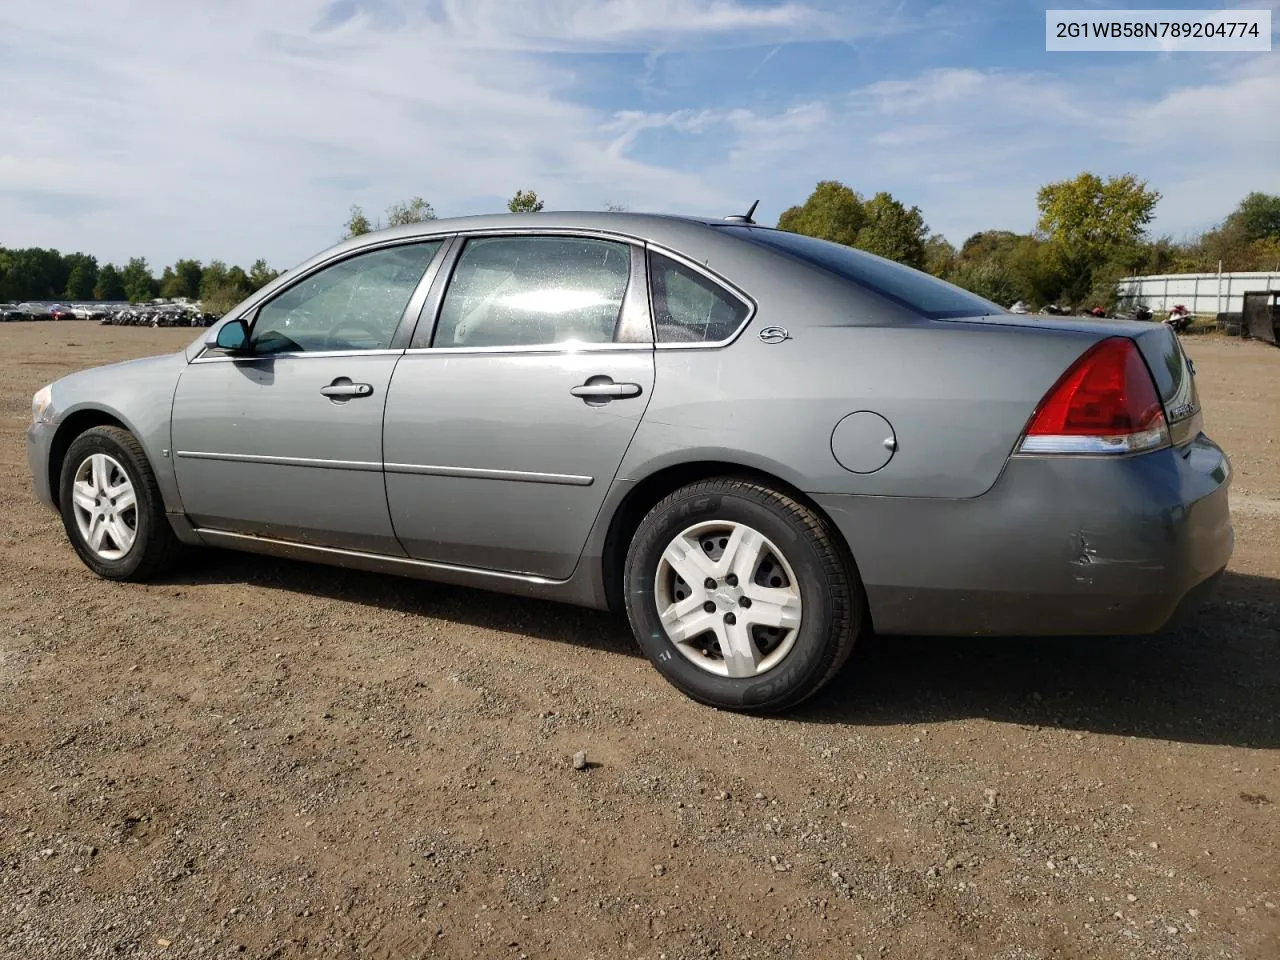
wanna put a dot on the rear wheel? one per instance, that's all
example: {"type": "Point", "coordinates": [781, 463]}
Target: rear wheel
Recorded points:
{"type": "Point", "coordinates": [741, 596]}
{"type": "Point", "coordinates": [112, 509]}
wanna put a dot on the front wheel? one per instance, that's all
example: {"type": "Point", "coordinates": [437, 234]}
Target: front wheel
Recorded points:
{"type": "Point", "coordinates": [741, 596]}
{"type": "Point", "coordinates": [111, 506]}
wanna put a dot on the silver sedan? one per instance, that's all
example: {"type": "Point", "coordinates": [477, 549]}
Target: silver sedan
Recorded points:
{"type": "Point", "coordinates": [756, 444]}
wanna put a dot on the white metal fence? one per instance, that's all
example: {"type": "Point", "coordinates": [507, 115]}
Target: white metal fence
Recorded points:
{"type": "Point", "coordinates": [1202, 293]}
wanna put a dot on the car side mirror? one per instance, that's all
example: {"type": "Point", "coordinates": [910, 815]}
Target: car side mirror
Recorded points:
{"type": "Point", "coordinates": [232, 337]}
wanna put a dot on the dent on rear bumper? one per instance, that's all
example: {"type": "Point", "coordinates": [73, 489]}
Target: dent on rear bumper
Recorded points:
{"type": "Point", "coordinates": [1069, 545]}
{"type": "Point", "coordinates": [39, 440]}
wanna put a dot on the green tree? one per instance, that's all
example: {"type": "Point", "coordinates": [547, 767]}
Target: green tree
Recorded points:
{"type": "Point", "coordinates": [222, 287]}
{"type": "Point", "coordinates": [832, 212]}
{"type": "Point", "coordinates": [213, 278]}
{"type": "Point", "coordinates": [109, 286]}
{"type": "Point", "coordinates": [416, 210]}
{"type": "Point", "coordinates": [190, 272]}
{"type": "Point", "coordinates": [1257, 217]}
{"type": "Point", "coordinates": [1091, 217]}
{"type": "Point", "coordinates": [1005, 266]}
{"type": "Point", "coordinates": [881, 225]}
{"type": "Point", "coordinates": [172, 285]}
{"type": "Point", "coordinates": [33, 274]}
{"type": "Point", "coordinates": [525, 201]}
{"type": "Point", "coordinates": [893, 231]}
{"type": "Point", "coordinates": [239, 280]}
{"type": "Point", "coordinates": [357, 224]}
{"type": "Point", "coordinates": [260, 274]}
{"type": "Point", "coordinates": [939, 256]}
{"type": "Point", "coordinates": [82, 276]}
{"type": "Point", "coordinates": [989, 243]}
{"type": "Point", "coordinates": [1089, 222]}
{"type": "Point", "coordinates": [987, 278]}
{"type": "Point", "coordinates": [139, 284]}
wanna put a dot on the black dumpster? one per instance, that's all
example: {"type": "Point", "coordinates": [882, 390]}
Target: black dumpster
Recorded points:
{"type": "Point", "coordinates": [1261, 312]}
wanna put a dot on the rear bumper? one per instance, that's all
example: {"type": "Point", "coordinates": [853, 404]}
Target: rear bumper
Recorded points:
{"type": "Point", "coordinates": [1065, 545]}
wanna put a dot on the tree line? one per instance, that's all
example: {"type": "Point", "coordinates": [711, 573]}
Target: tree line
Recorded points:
{"type": "Point", "coordinates": [38, 274]}
{"type": "Point", "coordinates": [1090, 232]}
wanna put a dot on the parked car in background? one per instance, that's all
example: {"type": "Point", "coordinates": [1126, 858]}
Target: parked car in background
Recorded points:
{"type": "Point", "coordinates": [756, 444]}
{"type": "Point", "coordinates": [10, 312]}
{"type": "Point", "coordinates": [34, 311]}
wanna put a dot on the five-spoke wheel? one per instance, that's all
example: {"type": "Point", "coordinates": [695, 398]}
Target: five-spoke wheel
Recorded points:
{"type": "Point", "coordinates": [728, 599]}
{"type": "Point", "coordinates": [111, 506]}
{"type": "Point", "coordinates": [106, 507]}
{"type": "Point", "coordinates": [741, 595]}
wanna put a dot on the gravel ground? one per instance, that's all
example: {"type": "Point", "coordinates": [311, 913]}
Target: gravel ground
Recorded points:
{"type": "Point", "coordinates": [269, 759]}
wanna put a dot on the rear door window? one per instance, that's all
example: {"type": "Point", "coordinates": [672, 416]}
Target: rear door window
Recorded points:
{"type": "Point", "coordinates": [688, 306]}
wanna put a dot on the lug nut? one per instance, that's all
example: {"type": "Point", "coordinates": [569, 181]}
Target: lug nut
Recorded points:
{"type": "Point", "coordinates": [709, 583]}
{"type": "Point", "coordinates": [709, 607]}
{"type": "Point", "coordinates": [744, 602]}
{"type": "Point", "coordinates": [730, 619]}
{"type": "Point", "coordinates": [731, 579]}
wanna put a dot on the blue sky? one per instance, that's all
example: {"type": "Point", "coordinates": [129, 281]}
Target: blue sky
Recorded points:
{"type": "Point", "coordinates": [247, 128]}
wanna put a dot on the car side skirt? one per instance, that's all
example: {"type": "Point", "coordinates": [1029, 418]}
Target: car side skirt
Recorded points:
{"type": "Point", "coordinates": [578, 590]}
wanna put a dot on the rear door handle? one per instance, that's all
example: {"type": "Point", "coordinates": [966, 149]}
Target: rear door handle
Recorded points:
{"type": "Point", "coordinates": [344, 389]}
{"type": "Point", "coordinates": [606, 390]}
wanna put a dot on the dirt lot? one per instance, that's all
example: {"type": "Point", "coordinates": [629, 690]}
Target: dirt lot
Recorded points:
{"type": "Point", "coordinates": [271, 759]}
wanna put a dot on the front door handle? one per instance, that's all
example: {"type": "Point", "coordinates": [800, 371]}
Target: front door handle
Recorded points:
{"type": "Point", "coordinates": [344, 389]}
{"type": "Point", "coordinates": [602, 388]}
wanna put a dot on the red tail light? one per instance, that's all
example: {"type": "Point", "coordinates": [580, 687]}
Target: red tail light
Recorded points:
{"type": "Point", "coordinates": [1105, 403]}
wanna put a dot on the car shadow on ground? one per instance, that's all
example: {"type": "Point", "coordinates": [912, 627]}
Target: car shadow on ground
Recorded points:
{"type": "Point", "coordinates": [538, 619]}
{"type": "Point", "coordinates": [1213, 680]}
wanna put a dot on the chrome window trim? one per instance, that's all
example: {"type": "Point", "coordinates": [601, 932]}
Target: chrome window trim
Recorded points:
{"type": "Point", "coordinates": [728, 287]}
{"type": "Point", "coordinates": [295, 355]}
{"type": "Point", "coordinates": [557, 348]}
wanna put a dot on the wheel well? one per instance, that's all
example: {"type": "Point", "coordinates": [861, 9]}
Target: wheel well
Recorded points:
{"type": "Point", "coordinates": [626, 519]}
{"type": "Point", "coordinates": [72, 427]}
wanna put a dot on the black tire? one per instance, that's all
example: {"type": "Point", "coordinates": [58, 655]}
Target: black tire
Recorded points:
{"type": "Point", "coordinates": [155, 547]}
{"type": "Point", "coordinates": [830, 592]}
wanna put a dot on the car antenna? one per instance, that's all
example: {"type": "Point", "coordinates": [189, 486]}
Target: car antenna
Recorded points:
{"type": "Point", "coordinates": [741, 218]}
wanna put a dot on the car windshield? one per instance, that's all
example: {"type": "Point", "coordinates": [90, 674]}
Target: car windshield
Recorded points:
{"type": "Point", "coordinates": [918, 291]}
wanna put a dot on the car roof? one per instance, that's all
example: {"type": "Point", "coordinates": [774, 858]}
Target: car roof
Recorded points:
{"type": "Point", "coordinates": [658, 227]}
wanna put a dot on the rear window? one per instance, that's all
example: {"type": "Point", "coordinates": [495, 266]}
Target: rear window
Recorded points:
{"type": "Point", "coordinates": [914, 289]}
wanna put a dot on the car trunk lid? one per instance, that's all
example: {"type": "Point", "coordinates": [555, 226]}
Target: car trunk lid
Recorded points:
{"type": "Point", "coordinates": [1171, 369]}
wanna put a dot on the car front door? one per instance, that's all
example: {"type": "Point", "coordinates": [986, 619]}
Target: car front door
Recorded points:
{"type": "Point", "coordinates": [508, 417]}
{"type": "Point", "coordinates": [284, 438]}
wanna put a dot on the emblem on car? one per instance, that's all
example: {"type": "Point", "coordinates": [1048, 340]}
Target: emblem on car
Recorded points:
{"type": "Point", "coordinates": [774, 334]}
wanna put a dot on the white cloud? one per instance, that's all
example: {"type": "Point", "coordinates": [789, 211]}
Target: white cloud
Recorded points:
{"type": "Point", "coordinates": [972, 147]}
{"type": "Point", "coordinates": [245, 128]}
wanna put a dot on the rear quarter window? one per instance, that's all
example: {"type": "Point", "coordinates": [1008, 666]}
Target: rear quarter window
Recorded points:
{"type": "Point", "coordinates": [917, 291]}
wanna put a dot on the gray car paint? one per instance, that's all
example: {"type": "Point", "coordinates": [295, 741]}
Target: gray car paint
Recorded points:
{"type": "Point", "coordinates": [258, 449]}
{"type": "Point", "coordinates": [953, 535]}
{"type": "Point", "coordinates": [491, 462]}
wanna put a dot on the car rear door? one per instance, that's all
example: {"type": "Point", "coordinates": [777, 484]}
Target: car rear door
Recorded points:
{"type": "Point", "coordinates": [508, 417]}
{"type": "Point", "coordinates": [285, 441]}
